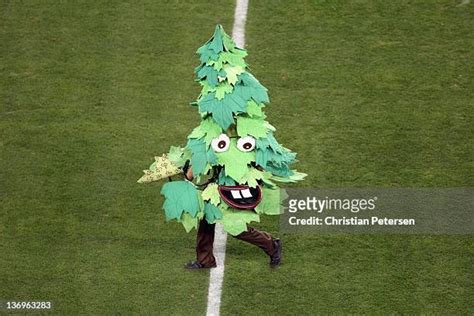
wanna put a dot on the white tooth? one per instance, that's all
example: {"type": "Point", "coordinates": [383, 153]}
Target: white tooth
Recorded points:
{"type": "Point", "coordinates": [236, 194]}
{"type": "Point", "coordinates": [246, 193]}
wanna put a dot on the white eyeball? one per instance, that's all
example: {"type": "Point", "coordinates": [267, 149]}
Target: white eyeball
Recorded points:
{"type": "Point", "coordinates": [221, 143]}
{"type": "Point", "coordinates": [246, 143]}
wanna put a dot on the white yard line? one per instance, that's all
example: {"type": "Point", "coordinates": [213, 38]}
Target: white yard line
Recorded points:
{"type": "Point", "coordinates": [240, 17]}
{"type": "Point", "coordinates": [217, 274]}
{"type": "Point", "coordinates": [220, 239]}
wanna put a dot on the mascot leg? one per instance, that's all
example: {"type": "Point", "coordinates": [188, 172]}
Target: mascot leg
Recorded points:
{"type": "Point", "coordinates": [265, 241]}
{"type": "Point", "coordinates": [204, 244]}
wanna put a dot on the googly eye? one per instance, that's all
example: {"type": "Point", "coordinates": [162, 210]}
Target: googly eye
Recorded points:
{"type": "Point", "coordinates": [221, 143]}
{"type": "Point", "coordinates": [246, 143]}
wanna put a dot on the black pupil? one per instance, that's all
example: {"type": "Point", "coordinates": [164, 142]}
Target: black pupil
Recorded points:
{"type": "Point", "coordinates": [247, 145]}
{"type": "Point", "coordinates": [221, 144]}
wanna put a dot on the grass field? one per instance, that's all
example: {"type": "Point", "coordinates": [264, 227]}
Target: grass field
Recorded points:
{"type": "Point", "coordinates": [369, 93]}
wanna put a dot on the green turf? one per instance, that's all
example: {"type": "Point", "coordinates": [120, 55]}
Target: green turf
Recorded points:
{"type": "Point", "coordinates": [370, 94]}
{"type": "Point", "coordinates": [90, 91]}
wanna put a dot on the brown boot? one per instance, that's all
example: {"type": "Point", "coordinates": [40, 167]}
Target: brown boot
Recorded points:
{"type": "Point", "coordinates": [204, 243]}
{"type": "Point", "coordinates": [275, 259]}
{"type": "Point", "coordinates": [193, 265]}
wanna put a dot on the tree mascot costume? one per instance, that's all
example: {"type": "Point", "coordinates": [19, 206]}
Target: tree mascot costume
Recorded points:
{"type": "Point", "coordinates": [231, 161]}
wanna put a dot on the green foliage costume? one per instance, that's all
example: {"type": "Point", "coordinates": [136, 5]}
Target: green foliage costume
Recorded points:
{"type": "Point", "coordinates": [234, 155]}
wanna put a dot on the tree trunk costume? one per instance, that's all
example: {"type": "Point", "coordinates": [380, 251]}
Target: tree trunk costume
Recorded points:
{"type": "Point", "coordinates": [234, 156]}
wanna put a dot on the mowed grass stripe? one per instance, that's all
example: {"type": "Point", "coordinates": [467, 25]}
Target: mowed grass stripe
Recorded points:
{"type": "Point", "coordinates": [90, 93]}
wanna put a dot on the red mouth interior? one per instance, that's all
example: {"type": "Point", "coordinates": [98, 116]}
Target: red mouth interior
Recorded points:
{"type": "Point", "coordinates": [241, 196]}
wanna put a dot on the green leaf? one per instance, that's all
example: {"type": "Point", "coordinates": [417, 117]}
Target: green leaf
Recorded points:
{"type": "Point", "coordinates": [221, 74]}
{"type": "Point", "coordinates": [222, 110]}
{"type": "Point", "coordinates": [180, 196]}
{"type": "Point", "coordinates": [277, 163]}
{"type": "Point", "coordinates": [209, 74]}
{"type": "Point", "coordinates": [269, 126]}
{"type": "Point", "coordinates": [216, 64]}
{"type": "Point", "coordinates": [211, 158]}
{"type": "Point", "coordinates": [208, 128]}
{"type": "Point", "coordinates": [211, 129]}
{"type": "Point", "coordinates": [232, 72]}
{"type": "Point", "coordinates": [251, 177]}
{"type": "Point", "coordinates": [267, 179]}
{"type": "Point", "coordinates": [186, 154]}
{"type": "Point", "coordinates": [229, 43]}
{"type": "Point", "coordinates": [251, 126]}
{"type": "Point", "coordinates": [189, 222]}
{"type": "Point", "coordinates": [175, 155]}
{"type": "Point", "coordinates": [249, 87]}
{"type": "Point", "coordinates": [197, 132]}
{"type": "Point", "coordinates": [224, 179]}
{"type": "Point", "coordinates": [254, 110]}
{"type": "Point", "coordinates": [235, 221]}
{"type": "Point", "coordinates": [271, 199]}
{"type": "Point", "coordinates": [212, 213]}
{"type": "Point", "coordinates": [216, 43]}
{"type": "Point", "coordinates": [270, 142]}
{"type": "Point", "coordinates": [198, 150]}
{"type": "Point", "coordinates": [206, 54]}
{"type": "Point", "coordinates": [222, 89]}
{"type": "Point", "coordinates": [274, 157]}
{"type": "Point", "coordinates": [206, 88]}
{"type": "Point", "coordinates": [211, 194]}
{"type": "Point", "coordinates": [234, 57]}
{"type": "Point", "coordinates": [296, 176]}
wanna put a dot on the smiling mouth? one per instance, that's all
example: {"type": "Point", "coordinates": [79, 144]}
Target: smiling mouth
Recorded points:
{"type": "Point", "coordinates": [241, 196]}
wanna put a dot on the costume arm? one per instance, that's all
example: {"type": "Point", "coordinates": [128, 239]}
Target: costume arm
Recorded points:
{"type": "Point", "coordinates": [189, 173]}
